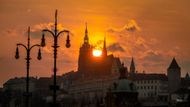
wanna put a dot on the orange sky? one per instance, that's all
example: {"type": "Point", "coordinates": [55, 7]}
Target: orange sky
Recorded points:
{"type": "Point", "coordinates": [152, 31]}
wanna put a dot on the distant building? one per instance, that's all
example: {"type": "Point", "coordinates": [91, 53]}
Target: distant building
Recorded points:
{"type": "Point", "coordinates": [185, 82]}
{"type": "Point", "coordinates": [174, 76]}
{"type": "Point", "coordinates": [19, 84]}
{"type": "Point", "coordinates": [122, 93]}
{"type": "Point", "coordinates": [67, 79]}
{"type": "Point", "coordinates": [152, 86]}
{"type": "Point", "coordinates": [14, 89]}
{"type": "Point", "coordinates": [89, 91]}
{"type": "Point", "coordinates": [42, 86]}
{"type": "Point", "coordinates": [39, 88]}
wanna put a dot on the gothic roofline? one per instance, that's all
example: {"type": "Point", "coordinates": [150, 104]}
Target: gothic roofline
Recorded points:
{"type": "Point", "coordinates": [174, 64]}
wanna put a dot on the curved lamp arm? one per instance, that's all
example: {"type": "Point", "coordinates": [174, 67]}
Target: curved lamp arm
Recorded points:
{"type": "Point", "coordinates": [34, 46]}
{"type": "Point", "coordinates": [47, 30]}
{"type": "Point", "coordinates": [62, 32]}
{"type": "Point", "coordinates": [20, 44]}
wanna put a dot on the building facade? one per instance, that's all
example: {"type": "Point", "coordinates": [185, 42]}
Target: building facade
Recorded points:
{"type": "Point", "coordinates": [19, 84]}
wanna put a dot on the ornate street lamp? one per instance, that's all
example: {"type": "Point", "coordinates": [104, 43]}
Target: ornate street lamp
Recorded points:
{"type": "Point", "coordinates": [28, 48]}
{"type": "Point", "coordinates": [55, 35]}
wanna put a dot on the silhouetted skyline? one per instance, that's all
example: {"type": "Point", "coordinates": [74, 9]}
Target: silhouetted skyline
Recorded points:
{"type": "Point", "coordinates": [153, 32]}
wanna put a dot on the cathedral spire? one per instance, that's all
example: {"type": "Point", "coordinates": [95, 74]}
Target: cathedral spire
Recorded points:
{"type": "Point", "coordinates": [104, 50]}
{"type": "Point", "coordinates": [86, 40]}
{"type": "Point", "coordinates": [104, 42]}
{"type": "Point", "coordinates": [132, 66]}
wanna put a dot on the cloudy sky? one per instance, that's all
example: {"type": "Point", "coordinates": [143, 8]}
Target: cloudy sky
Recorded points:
{"type": "Point", "coordinates": [152, 31]}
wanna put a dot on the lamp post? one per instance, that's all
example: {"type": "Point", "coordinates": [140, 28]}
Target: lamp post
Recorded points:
{"type": "Point", "coordinates": [55, 35]}
{"type": "Point", "coordinates": [28, 48]}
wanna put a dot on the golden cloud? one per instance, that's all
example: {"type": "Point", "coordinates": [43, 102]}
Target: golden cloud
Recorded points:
{"type": "Point", "coordinates": [132, 26]}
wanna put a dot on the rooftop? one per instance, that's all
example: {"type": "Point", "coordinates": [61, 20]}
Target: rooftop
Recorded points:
{"type": "Point", "coordinates": [174, 65]}
{"type": "Point", "coordinates": [142, 76]}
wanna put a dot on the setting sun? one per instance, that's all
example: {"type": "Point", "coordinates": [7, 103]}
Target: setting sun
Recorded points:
{"type": "Point", "coordinates": [97, 53]}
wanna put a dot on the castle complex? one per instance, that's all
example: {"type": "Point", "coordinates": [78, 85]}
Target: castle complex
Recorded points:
{"type": "Point", "coordinates": [96, 75]}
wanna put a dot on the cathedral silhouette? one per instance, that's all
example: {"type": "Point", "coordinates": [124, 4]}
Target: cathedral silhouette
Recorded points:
{"type": "Point", "coordinates": [90, 66]}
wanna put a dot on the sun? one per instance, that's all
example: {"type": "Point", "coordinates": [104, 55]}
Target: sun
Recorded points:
{"type": "Point", "coordinates": [97, 53]}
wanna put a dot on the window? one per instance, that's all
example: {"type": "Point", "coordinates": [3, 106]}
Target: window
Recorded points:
{"type": "Point", "coordinates": [145, 87]}
{"type": "Point", "coordinates": [144, 94]}
{"type": "Point", "coordinates": [155, 81]}
{"type": "Point", "coordinates": [151, 94]}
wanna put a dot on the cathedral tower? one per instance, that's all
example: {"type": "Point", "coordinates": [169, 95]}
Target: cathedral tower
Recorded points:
{"type": "Point", "coordinates": [85, 54]}
{"type": "Point", "coordinates": [174, 76]}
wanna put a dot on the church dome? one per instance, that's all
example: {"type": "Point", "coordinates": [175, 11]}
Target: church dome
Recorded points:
{"type": "Point", "coordinates": [123, 84]}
